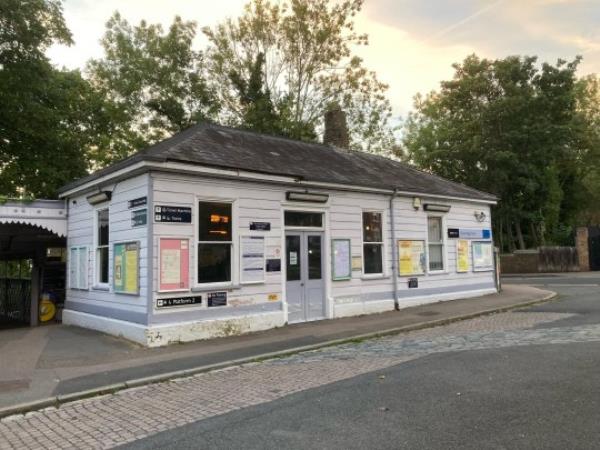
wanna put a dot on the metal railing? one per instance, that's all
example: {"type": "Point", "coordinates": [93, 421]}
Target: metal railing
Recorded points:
{"type": "Point", "coordinates": [15, 301]}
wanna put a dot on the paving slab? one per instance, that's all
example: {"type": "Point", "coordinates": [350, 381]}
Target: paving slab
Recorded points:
{"type": "Point", "coordinates": [72, 360]}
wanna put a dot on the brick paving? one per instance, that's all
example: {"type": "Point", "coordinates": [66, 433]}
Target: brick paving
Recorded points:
{"type": "Point", "coordinates": [132, 414]}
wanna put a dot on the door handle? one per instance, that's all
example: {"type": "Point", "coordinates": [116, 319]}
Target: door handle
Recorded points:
{"type": "Point", "coordinates": [301, 284]}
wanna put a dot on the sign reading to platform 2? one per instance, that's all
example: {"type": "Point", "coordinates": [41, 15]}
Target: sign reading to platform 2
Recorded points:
{"type": "Point", "coordinates": [172, 214]}
{"type": "Point", "coordinates": [179, 301]}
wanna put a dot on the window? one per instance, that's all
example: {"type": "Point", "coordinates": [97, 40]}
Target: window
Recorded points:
{"type": "Point", "coordinates": [214, 242]}
{"type": "Point", "coordinates": [436, 243]}
{"type": "Point", "coordinates": [102, 246]}
{"type": "Point", "coordinates": [372, 243]}
{"type": "Point", "coordinates": [303, 219]}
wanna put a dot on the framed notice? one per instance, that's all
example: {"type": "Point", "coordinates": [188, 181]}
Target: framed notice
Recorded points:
{"type": "Point", "coordinates": [126, 268]}
{"type": "Point", "coordinates": [78, 268]}
{"type": "Point", "coordinates": [411, 256]}
{"type": "Point", "coordinates": [252, 259]}
{"type": "Point", "coordinates": [174, 264]}
{"type": "Point", "coordinates": [483, 255]}
{"type": "Point", "coordinates": [341, 259]}
{"type": "Point", "coordinates": [462, 255]}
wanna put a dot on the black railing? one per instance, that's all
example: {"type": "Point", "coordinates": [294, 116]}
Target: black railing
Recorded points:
{"type": "Point", "coordinates": [15, 301]}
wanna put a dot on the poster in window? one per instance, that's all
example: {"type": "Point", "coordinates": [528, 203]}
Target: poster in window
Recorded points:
{"type": "Point", "coordinates": [483, 255]}
{"type": "Point", "coordinates": [174, 264]}
{"type": "Point", "coordinates": [411, 255]}
{"type": "Point", "coordinates": [126, 263]}
{"type": "Point", "coordinates": [462, 255]}
{"type": "Point", "coordinates": [253, 259]}
{"type": "Point", "coordinates": [341, 259]}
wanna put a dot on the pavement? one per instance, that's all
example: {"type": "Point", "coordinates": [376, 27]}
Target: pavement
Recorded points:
{"type": "Point", "coordinates": [44, 365]}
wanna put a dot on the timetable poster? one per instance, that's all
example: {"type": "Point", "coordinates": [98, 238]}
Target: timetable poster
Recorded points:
{"type": "Point", "coordinates": [174, 264]}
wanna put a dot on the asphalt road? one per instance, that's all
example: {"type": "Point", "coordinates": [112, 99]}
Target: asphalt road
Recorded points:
{"type": "Point", "coordinates": [514, 397]}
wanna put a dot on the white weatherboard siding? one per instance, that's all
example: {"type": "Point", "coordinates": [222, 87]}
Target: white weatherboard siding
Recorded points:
{"type": "Point", "coordinates": [81, 224]}
{"type": "Point", "coordinates": [259, 306]}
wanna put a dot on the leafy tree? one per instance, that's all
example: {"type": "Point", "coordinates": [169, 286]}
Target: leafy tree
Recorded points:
{"type": "Point", "coordinates": [155, 82]}
{"type": "Point", "coordinates": [305, 47]}
{"type": "Point", "coordinates": [506, 126]}
{"type": "Point", "coordinates": [44, 112]}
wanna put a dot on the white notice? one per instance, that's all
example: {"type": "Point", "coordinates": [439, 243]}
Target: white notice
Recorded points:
{"type": "Point", "coordinates": [170, 270]}
{"type": "Point", "coordinates": [253, 259]}
{"type": "Point", "coordinates": [341, 258]}
{"type": "Point", "coordinates": [293, 258]}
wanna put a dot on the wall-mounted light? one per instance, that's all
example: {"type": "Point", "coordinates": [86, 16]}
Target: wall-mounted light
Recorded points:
{"type": "Point", "coordinates": [307, 197]}
{"type": "Point", "coordinates": [436, 207]}
{"type": "Point", "coordinates": [480, 216]}
{"type": "Point", "coordinates": [416, 203]}
{"type": "Point", "coordinates": [99, 197]}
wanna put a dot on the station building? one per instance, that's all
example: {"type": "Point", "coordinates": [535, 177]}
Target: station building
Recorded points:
{"type": "Point", "coordinates": [218, 231]}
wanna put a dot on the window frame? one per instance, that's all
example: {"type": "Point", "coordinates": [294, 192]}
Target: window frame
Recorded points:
{"type": "Point", "coordinates": [382, 244]}
{"type": "Point", "coordinates": [443, 243]}
{"type": "Point", "coordinates": [235, 259]}
{"type": "Point", "coordinates": [99, 285]}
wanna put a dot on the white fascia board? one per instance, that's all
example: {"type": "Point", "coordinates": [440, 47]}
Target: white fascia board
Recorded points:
{"type": "Point", "coordinates": [254, 176]}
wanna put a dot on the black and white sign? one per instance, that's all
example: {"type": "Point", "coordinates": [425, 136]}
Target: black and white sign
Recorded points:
{"type": "Point", "coordinates": [453, 232]}
{"type": "Point", "coordinates": [413, 283]}
{"type": "Point", "coordinates": [260, 226]}
{"type": "Point", "coordinates": [137, 202]}
{"type": "Point", "coordinates": [178, 301]}
{"type": "Point", "coordinates": [273, 265]}
{"type": "Point", "coordinates": [139, 217]}
{"type": "Point", "coordinates": [217, 299]}
{"type": "Point", "coordinates": [172, 214]}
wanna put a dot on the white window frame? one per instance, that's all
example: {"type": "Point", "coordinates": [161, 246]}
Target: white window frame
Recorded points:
{"type": "Point", "coordinates": [383, 272]}
{"type": "Point", "coordinates": [444, 244]}
{"type": "Point", "coordinates": [97, 283]}
{"type": "Point", "coordinates": [234, 243]}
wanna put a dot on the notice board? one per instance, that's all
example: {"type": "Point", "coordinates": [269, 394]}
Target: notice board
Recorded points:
{"type": "Point", "coordinates": [411, 255]}
{"type": "Point", "coordinates": [462, 255]}
{"type": "Point", "coordinates": [126, 267]}
{"type": "Point", "coordinates": [253, 259]}
{"type": "Point", "coordinates": [174, 265]}
{"type": "Point", "coordinates": [483, 255]}
{"type": "Point", "coordinates": [341, 259]}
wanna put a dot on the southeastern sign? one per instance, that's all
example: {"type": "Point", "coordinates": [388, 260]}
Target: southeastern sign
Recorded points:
{"type": "Point", "coordinates": [469, 233]}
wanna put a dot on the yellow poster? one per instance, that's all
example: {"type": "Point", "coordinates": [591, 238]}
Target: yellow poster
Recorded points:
{"type": "Point", "coordinates": [131, 269]}
{"type": "Point", "coordinates": [462, 255]}
{"type": "Point", "coordinates": [412, 257]}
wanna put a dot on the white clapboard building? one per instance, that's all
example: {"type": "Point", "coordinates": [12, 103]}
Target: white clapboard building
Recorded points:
{"type": "Point", "coordinates": [218, 231]}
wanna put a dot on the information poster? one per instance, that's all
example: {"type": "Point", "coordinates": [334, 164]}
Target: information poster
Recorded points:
{"type": "Point", "coordinates": [253, 259]}
{"type": "Point", "coordinates": [174, 264]}
{"type": "Point", "coordinates": [462, 255]}
{"type": "Point", "coordinates": [342, 262]}
{"type": "Point", "coordinates": [483, 255]}
{"type": "Point", "coordinates": [126, 258]}
{"type": "Point", "coordinates": [412, 257]}
{"type": "Point", "coordinates": [78, 268]}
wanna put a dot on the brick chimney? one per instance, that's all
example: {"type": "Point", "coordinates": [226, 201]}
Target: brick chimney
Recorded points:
{"type": "Point", "coordinates": [336, 129]}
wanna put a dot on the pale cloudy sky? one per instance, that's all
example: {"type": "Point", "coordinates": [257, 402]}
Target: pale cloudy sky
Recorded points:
{"type": "Point", "coordinates": [412, 42]}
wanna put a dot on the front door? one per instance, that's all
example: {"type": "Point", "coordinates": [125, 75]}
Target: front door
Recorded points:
{"type": "Point", "coordinates": [305, 285]}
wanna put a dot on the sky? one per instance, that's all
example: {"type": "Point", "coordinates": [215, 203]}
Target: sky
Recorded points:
{"type": "Point", "coordinates": [412, 43]}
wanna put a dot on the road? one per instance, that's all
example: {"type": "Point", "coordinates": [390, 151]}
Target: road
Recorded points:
{"type": "Point", "coordinates": [522, 379]}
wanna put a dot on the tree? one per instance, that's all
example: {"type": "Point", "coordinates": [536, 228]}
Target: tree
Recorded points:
{"type": "Point", "coordinates": [305, 48]}
{"type": "Point", "coordinates": [155, 82]}
{"type": "Point", "coordinates": [44, 112]}
{"type": "Point", "coordinates": [508, 127]}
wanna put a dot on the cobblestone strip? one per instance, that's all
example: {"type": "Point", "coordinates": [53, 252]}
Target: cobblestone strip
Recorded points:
{"type": "Point", "coordinates": [112, 420]}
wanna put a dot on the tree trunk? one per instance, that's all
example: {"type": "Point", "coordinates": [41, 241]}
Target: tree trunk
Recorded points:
{"type": "Point", "coordinates": [511, 239]}
{"type": "Point", "coordinates": [501, 236]}
{"type": "Point", "coordinates": [519, 235]}
{"type": "Point", "coordinates": [534, 235]}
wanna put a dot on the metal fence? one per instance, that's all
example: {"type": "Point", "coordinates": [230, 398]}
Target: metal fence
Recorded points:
{"type": "Point", "coordinates": [15, 301]}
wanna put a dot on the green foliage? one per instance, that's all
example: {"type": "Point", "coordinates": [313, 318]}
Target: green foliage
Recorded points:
{"type": "Point", "coordinates": [155, 84]}
{"type": "Point", "coordinates": [306, 49]}
{"type": "Point", "coordinates": [44, 112]}
{"type": "Point", "coordinates": [511, 128]}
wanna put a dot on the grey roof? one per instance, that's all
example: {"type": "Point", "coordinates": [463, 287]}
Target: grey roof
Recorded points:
{"type": "Point", "coordinates": [207, 144]}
